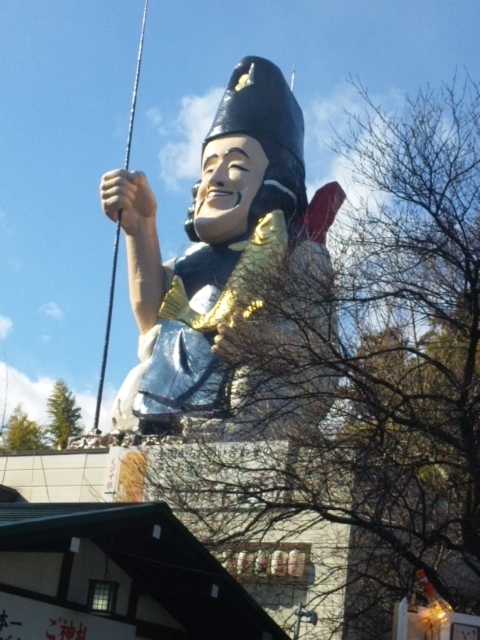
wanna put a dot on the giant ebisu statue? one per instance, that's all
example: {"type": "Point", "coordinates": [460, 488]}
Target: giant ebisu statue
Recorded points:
{"type": "Point", "coordinates": [249, 208]}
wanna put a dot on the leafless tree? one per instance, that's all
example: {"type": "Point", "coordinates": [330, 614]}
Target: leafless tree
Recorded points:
{"type": "Point", "coordinates": [396, 463]}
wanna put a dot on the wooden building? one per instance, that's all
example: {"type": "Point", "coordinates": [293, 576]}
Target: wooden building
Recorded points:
{"type": "Point", "coordinates": [121, 571]}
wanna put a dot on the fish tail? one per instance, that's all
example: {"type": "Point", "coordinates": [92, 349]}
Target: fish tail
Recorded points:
{"type": "Point", "coordinates": [175, 305]}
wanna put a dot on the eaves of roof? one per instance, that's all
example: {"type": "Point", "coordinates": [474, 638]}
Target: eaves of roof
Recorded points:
{"type": "Point", "coordinates": [25, 526]}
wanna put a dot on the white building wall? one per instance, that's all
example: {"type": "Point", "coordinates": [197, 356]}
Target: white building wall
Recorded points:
{"type": "Point", "coordinates": [40, 572]}
{"type": "Point", "coordinates": [37, 619]}
{"type": "Point", "coordinates": [322, 591]}
{"type": "Point", "coordinates": [56, 476]}
{"type": "Point", "coordinates": [91, 564]}
{"type": "Point", "coordinates": [16, 570]}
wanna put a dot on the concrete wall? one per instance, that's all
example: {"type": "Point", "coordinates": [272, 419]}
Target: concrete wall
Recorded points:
{"type": "Point", "coordinates": [322, 591]}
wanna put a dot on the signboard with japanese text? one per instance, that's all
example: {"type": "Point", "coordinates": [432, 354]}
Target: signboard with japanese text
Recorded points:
{"type": "Point", "coordinates": [25, 619]}
{"type": "Point", "coordinates": [111, 476]}
{"type": "Point", "coordinates": [125, 475]}
{"type": "Point", "coordinates": [203, 467]}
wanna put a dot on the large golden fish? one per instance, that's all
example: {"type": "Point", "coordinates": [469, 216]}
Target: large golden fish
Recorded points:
{"type": "Point", "coordinates": [265, 247]}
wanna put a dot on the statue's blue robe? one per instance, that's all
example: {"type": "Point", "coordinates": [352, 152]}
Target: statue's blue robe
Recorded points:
{"type": "Point", "coordinates": [184, 375]}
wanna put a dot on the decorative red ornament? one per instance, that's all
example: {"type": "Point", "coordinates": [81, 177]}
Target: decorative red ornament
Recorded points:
{"type": "Point", "coordinates": [439, 607]}
{"type": "Point", "coordinates": [322, 210]}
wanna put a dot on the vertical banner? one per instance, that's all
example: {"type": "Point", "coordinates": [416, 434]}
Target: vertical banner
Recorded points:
{"type": "Point", "coordinates": [125, 475]}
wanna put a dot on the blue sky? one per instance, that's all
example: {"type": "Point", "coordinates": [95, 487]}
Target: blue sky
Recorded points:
{"type": "Point", "coordinates": [66, 76]}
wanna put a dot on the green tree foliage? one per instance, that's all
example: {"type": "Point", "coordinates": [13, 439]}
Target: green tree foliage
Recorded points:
{"type": "Point", "coordinates": [64, 414]}
{"type": "Point", "coordinates": [23, 434]}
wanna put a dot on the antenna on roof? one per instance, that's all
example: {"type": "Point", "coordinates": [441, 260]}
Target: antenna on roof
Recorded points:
{"type": "Point", "coordinates": [292, 82]}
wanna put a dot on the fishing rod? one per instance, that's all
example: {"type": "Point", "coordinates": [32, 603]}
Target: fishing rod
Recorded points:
{"type": "Point", "coordinates": [119, 221]}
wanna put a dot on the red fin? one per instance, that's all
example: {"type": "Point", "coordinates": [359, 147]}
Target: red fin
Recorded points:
{"type": "Point", "coordinates": [322, 210]}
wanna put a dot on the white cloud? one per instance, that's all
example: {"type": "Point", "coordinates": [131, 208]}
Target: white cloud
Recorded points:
{"type": "Point", "coordinates": [6, 326]}
{"type": "Point", "coordinates": [323, 119]}
{"type": "Point", "coordinates": [16, 388]}
{"type": "Point", "coordinates": [155, 117]}
{"type": "Point", "coordinates": [330, 118]}
{"type": "Point", "coordinates": [181, 160]}
{"type": "Point", "coordinates": [88, 404]}
{"type": "Point", "coordinates": [52, 310]}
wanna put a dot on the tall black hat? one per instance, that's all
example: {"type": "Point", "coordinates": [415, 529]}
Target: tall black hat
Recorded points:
{"type": "Point", "coordinates": [258, 102]}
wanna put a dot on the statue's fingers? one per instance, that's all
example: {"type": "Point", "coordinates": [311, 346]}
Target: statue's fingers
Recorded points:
{"type": "Point", "coordinates": [138, 177]}
{"type": "Point", "coordinates": [238, 319]}
{"type": "Point", "coordinates": [222, 329]}
{"type": "Point", "coordinates": [120, 190]}
{"type": "Point", "coordinates": [112, 205]}
{"type": "Point", "coordinates": [117, 183]}
{"type": "Point", "coordinates": [112, 178]}
{"type": "Point", "coordinates": [221, 345]}
{"type": "Point", "coordinates": [117, 197]}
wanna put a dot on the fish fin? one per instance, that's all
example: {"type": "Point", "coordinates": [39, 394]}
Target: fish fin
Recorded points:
{"type": "Point", "coordinates": [175, 305]}
{"type": "Point", "coordinates": [238, 246]}
{"type": "Point", "coordinates": [220, 313]}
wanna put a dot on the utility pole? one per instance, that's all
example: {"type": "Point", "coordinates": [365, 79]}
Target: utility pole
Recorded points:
{"type": "Point", "coordinates": [310, 615]}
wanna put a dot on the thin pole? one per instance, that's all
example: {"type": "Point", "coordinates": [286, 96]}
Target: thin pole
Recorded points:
{"type": "Point", "coordinates": [117, 234]}
{"type": "Point", "coordinates": [298, 613]}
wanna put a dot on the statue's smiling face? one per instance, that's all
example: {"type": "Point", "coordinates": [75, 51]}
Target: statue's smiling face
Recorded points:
{"type": "Point", "coordinates": [232, 173]}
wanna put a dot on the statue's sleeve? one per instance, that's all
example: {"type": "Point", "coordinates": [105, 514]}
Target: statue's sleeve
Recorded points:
{"type": "Point", "coordinates": [310, 300]}
{"type": "Point", "coordinates": [310, 373]}
{"type": "Point", "coordinates": [146, 341]}
{"type": "Point", "coordinates": [292, 384]}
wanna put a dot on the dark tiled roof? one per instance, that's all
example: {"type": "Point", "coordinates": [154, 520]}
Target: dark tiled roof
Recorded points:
{"type": "Point", "coordinates": [16, 512]}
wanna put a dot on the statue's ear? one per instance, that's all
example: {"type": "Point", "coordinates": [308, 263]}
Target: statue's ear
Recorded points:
{"type": "Point", "coordinates": [322, 210]}
{"type": "Point", "coordinates": [190, 229]}
{"type": "Point", "coordinates": [189, 226]}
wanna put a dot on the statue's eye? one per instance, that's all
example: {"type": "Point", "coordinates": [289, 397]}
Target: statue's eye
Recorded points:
{"type": "Point", "coordinates": [239, 166]}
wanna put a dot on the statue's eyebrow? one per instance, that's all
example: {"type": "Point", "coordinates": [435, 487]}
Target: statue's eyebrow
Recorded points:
{"type": "Point", "coordinates": [227, 152]}
{"type": "Point", "coordinates": [238, 150]}
{"type": "Point", "coordinates": [214, 155]}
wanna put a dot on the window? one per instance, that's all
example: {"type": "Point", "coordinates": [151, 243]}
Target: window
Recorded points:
{"type": "Point", "coordinates": [102, 596]}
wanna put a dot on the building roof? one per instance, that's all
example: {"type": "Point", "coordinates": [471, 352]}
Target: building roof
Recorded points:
{"type": "Point", "coordinates": [176, 569]}
{"type": "Point", "coordinates": [26, 511]}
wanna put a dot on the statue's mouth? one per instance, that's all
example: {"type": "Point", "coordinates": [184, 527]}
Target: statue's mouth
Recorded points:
{"type": "Point", "coordinates": [213, 194]}
{"type": "Point", "coordinates": [219, 193]}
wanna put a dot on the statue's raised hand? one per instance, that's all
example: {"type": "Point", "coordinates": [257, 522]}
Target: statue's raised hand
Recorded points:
{"type": "Point", "coordinates": [130, 192]}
